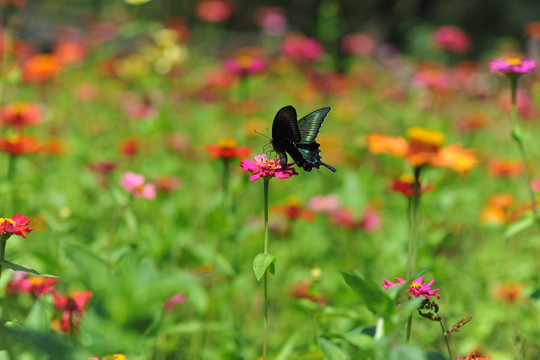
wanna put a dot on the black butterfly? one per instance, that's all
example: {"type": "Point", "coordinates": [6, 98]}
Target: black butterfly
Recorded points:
{"type": "Point", "coordinates": [298, 137]}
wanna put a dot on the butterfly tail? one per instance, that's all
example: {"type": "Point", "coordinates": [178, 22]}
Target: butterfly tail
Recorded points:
{"type": "Point", "coordinates": [327, 166]}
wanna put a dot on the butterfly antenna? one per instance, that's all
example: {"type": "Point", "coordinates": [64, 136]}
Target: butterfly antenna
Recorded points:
{"type": "Point", "coordinates": [266, 136]}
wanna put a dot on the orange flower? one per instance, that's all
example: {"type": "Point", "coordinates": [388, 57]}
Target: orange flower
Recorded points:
{"type": "Point", "coordinates": [70, 52]}
{"type": "Point", "coordinates": [505, 167]}
{"type": "Point", "coordinates": [227, 149]}
{"type": "Point", "coordinates": [423, 148]}
{"type": "Point", "coordinates": [497, 211]}
{"type": "Point", "coordinates": [293, 210]}
{"type": "Point", "coordinates": [509, 292]}
{"type": "Point", "coordinates": [41, 67]}
{"type": "Point", "coordinates": [19, 145]}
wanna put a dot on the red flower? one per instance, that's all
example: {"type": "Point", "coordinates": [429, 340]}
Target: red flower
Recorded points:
{"type": "Point", "coordinates": [214, 11]}
{"type": "Point", "coordinates": [304, 290]}
{"type": "Point", "coordinates": [24, 283]}
{"type": "Point", "coordinates": [227, 149]}
{"type": "Point", "coordinates": [451, 38]}
{"type": "Point", "coordinates": [71, 308]}
{"type": "Point", "coordinates": [475, 356]}
{"type": "Point", "coordinates": [129, 147]}
{"type": "Point", "coordinates": [19, 145]}
{"type": "Point", "coordinates": [70, 52]}
{"type": "Point", "coordinates": [19, 115]}
{"type": "Point", "coordinates": [505, 167]}
{"type": "Point", "coordinates": [293, 210]}
{"type": "Point", "coordinates": [17, 225]}
{"type": "Point", "coordinates": [405, 185]}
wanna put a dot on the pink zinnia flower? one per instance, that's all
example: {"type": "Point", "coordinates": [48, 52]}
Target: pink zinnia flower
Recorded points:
{"type": "Point", "coordinates": [358, 44]}
{"type": "Point", "coordinates": [301, 49]}
{"type": "Point", "coordinates": [513, 66]}
{"type": "Point", "coordinates": [17, 225]}
{"type": "Point", "coordinates": [173, 301]}
{"type": "Point", "coordinates": [324, 203]}
{"type": "Point", "coordinates": [451, 38]}
{"type": "Point", "coordinates": [24, 283]}
{"type": "Point", "coordinates": [135, 184]}
{"type": "Point", "coordinates": [263, 167]}
{"type": "Point", "coordinates": [245, 64]}
{"type": "Point", "coordinates": [213, 11]}
{"type": "Point", "coordinates": [272, 20]}
{"type": "Point", "coordinates": [371, 220]}
{"type": "Point", "coordinates": [417, 287]}
{"type": "Point", "coordinates": [71, 308]}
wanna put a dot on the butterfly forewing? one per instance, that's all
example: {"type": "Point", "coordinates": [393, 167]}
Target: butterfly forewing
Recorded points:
{"type": "Point", "coordinates": [285, 125]}
{"type": "Point", "coordinates": [310, 124]}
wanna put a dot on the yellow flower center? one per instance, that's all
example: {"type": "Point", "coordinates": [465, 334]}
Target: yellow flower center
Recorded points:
{"type": "Point", "coordinates": [244, 61]}
{"type": "Point", "coordinates": [227, 143]}
{"type": "Point", "coordinates": [406, 178]}
{"type": "Point", "coordinates": [415, 285]}
{"type": "Point", "coordinates": [293, 201]}
{"type": "Point", "coordinates": [514, 61]}
{"type": "Point", "coordinates": [425, 136]}
{"type": "Point", "coordinates": [3, 220]}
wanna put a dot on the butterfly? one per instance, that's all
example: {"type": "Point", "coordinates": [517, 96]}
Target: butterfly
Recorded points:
{"type": "Point", "coordinates": [298, 137]}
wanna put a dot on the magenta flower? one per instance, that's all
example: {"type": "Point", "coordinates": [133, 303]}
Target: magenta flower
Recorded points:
{"type": "Point", "coordinates": [513, 66]}
{"type": "Point", "coordinates": [135, 184]}
{"type": "Point", "coordinates": [17, 225]}
{"type": "Point", "coordinates": [451, 38]}
{"type": "Point", "coordinates": [302, 49]}
{"type": "Point", "coordinates": [173, 301]}
{"type": "Point", "coordinates": [417, 287]}
{"type": "Point", "coordinates": [245, 64]}
{"type": "Point", "coordinates": [263, 167]}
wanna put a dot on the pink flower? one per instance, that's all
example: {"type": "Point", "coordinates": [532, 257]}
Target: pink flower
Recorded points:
{"type": "Point", "coordinates": [432, 78]}
{"type": "Point", "coordinates": [451, 38]}
{"type": "Point", "coordinates": [173, 301]}
{"type": "Point", "coordinates": [135, 184]}
{"type": "Point", "coordinates": [371, 220]}
{"type": "Point", "coordinates": [71, 308]}
{"type": "Point", "coordinates": [324, 203]}
{"type": "Point", "coordinates": [358, 44]}
{"type": "Point", "coordinates": [272, 20]}
{"type": "Point", "coordinates": [301, 49]}
{"type": "Point", "coordinates": [512, 66]}
{"type": "Point", "coordinates": [17, 225]}
{"type": "Point", "coordinates": [24, 283]}
{"type": "Point", "coordinates": [19, 115]}
{"type": "Point", "coordinates": [263, 167]}
{"type": "Point", "coordinates": [213, 11]}
{"type": "Point", "coordinates": [416, 289]}
{"type": "Point", "coordinates": [535, 185]}
{"type": "Point", "coordinates": [245, 64]}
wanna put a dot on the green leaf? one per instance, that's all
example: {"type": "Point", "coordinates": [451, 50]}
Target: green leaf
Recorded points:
{"type": "Point", "coordinates": [287, 349]}
{"type": "Point", "coordinates": [525, 222]}
{"type": "Point", "coordinates": [262, 263]}
{"type": "Point", "coordinates": [435, 355]}
{"type": "Point", "coordinates": [372, 294]}
{"type": "Point", "coordinates": [332, 351]}
{"type": "Point", "coordinates": [17, 267]}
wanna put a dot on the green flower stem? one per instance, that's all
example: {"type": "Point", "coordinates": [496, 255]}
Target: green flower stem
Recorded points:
{"type": "Point", "coordinates": [517, 135]}
{"type": "Point", "coordinates": [446, 340]}
{"type": "Point", "coordinates": [414, 203]}
{"type": "Point", "coordinates": [3, 244]}
{"type": "Point", "coordinates": [265, 279]}
{"type": "Point", "coordinates": [243, 88]}
{"type": "Point", "coordinates": [409, 327]}
{"type": "Point", "coordinates": [412, 249]}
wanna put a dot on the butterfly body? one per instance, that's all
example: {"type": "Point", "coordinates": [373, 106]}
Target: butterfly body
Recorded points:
{"type": "Point", "coordinates": [297, 138]}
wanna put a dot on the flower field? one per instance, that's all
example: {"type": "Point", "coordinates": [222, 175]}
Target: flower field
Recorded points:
{"type": "Point", "coordinates": [162, 200]}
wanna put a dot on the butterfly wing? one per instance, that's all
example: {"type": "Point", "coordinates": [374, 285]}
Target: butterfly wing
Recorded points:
{"type": "Point", "coordinates": [310, 124]}
{"type": "Point", "coordinates": [285, 133]}
{"type": "Point", "coordinates": [309, 127]}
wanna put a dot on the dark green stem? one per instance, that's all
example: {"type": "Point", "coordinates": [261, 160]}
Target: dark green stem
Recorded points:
{"type": "Point", "coordinates": [409, 327]}
{"type": "Point", "coordinates": [265, 279]}
{"type": "Point", "coordinates": [446, 340]}
{"type": "Point", "coordinates": [517, 135]}
{"type": "Point", "coordinates": [3, 244]}
{"type": "Point", "coordinates": [412, 248]}
{"type": "Point", "coordinates": [414, 203]}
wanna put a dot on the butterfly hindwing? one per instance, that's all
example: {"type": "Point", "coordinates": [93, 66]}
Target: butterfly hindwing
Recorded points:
{"type": "Point", "coordinates": [297, 138]}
